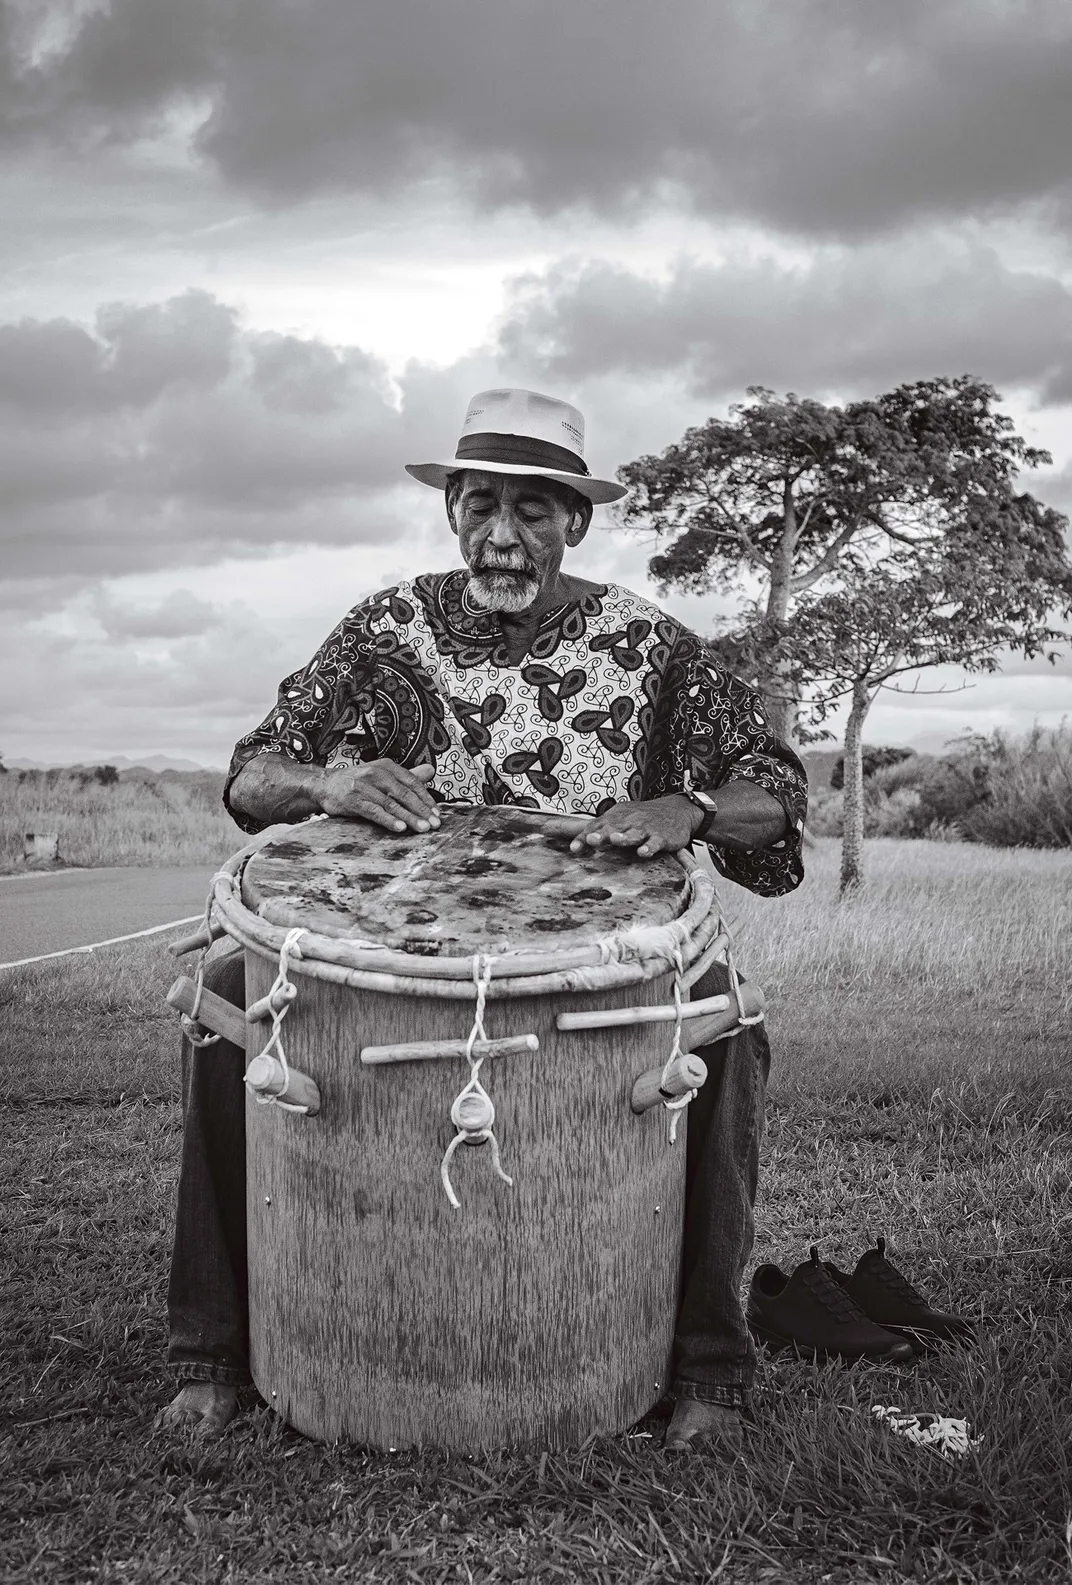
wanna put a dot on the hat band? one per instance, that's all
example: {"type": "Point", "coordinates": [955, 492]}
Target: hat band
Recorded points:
{"type": "Point", "coordinates": [521, 450]}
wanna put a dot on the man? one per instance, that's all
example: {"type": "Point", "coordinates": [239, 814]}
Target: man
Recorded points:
{"type": "Point", "coordinates": [512, 682]}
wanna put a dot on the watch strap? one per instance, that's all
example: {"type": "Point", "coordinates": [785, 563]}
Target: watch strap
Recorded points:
{"type": "Point", "coordinates": [709, 808]}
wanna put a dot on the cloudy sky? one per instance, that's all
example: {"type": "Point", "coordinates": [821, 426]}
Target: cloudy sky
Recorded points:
{"type": "Point", "coordinates": [257, 254]}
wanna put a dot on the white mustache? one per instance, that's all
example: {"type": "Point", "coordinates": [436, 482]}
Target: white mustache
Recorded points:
{"type": "Point", "coordinates": [515, 561]}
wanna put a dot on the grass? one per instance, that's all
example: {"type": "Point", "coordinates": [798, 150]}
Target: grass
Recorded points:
{"type": "Point", "coordinates": [174, 818]}
{"type": "Point", "coordinates": [920, 1088]}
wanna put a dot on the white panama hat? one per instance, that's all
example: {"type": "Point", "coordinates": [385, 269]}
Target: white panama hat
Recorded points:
{"type": "Point", "coordinates": [515, 431]}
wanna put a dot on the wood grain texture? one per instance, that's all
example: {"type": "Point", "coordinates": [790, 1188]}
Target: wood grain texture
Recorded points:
{"type": "Point", "coordinates": [438, 1050]}
{"type": "Point", "coordinates": [214, 1013]}
{"type": "Point", "coordinates": [533, 1316]}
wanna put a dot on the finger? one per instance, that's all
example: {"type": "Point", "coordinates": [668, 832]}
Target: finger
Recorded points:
{"type": "Point", "coordinates": [650, 847]}
{"type": "Point", "coordinates": [377, 814]}
{"type": "Point", "coordinates": [410, 804]}
{"type": "Point", "coordinates": [406, 786]}
{"type": "Point", "coordinates": [405, 814]}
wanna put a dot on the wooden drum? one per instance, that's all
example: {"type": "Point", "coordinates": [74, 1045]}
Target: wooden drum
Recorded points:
{"type": "Point", "coordinates": [533, 1312]}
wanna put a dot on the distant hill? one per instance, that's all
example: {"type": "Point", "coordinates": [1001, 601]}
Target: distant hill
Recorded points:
{"type": "Point", "coordinates": [155, 762]}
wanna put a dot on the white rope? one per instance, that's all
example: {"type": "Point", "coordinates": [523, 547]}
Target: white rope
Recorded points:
{"type": "Point", "coordinates": [283, 985]}
{"type": "Point", "coordinates": [195, 1033]}
{"type": "Point", "coordinates": [478, 1133]}
{"type": "Point", "coordinates": [676, 1107]}
{"type": "Point", "coordinates": [743, 1019]}
{"type": "Point", "coordinates": [949, 1436]}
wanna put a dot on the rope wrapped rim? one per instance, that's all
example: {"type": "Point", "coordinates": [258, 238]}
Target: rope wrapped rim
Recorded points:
{"type": "Point", "coordinates": [625, 958]}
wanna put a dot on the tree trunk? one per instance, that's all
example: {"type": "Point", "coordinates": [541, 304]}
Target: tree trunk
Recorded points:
{"type": "Point", "coordinates": [852, 830]}
{"type": "Point", "coordinates": [776, 687]}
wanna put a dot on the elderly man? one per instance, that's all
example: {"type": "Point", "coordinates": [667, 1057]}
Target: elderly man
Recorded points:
{"type": "Point", "coordinates": [512, 682]}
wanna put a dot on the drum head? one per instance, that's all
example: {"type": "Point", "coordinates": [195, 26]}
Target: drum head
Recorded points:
{"type": "Point", "coordinates": [489, 880]}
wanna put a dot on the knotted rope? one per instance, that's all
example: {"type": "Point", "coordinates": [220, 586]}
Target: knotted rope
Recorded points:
{"type": "Point", "coordinates": [195, 1033]}
{"type": "Point", "coordinates": [473, 1112]}
{"type": "Point", "coordinates": [743, 1018]}
{"type": "Point", "coordinates": [677, 1106]}
{"type": "Point", "coordinates": [280, 996]}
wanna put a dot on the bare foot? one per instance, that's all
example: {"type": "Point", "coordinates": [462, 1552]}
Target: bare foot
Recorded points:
{"type": "Point", "coordinates": [203, 1407]}
{"type": "Point", "coordinates": [696, 1421]}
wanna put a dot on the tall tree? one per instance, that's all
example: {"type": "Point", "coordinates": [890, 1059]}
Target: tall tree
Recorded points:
{"type": "Point", "coordinates": [775, 496]}
{"type": "Point", "coordinates": [1000, 585]}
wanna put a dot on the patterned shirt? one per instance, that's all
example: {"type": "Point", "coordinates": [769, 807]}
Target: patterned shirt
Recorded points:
{"type": "Point", "coordinates": [615, 702]}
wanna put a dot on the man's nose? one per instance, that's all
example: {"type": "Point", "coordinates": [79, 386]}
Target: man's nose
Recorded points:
{"type": "Point", "coordinates": [503, 529]}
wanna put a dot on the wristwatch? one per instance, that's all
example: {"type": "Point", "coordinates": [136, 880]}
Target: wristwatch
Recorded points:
{"type": "Point", "coordinates": [709, 809]}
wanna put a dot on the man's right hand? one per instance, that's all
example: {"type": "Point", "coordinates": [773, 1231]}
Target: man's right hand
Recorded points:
{"type": "Point", "coordinates": [382, 792]}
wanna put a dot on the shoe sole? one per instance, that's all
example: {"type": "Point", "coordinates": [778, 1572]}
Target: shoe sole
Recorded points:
{"type": "Point", "coordinates": [777, 1342]}
{"type": "Point", "coordinates": [925, 1342]}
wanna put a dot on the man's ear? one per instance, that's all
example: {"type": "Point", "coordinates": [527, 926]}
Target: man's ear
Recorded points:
{"type": "Point", "coordinates": [449, 496]}
{"type": "Point", "coordinates": [578, 527]}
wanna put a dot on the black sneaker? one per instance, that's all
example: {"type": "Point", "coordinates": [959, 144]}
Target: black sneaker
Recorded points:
{"type": "Point", "coordinates": [889, 1298]}
{"type": "Point", "coordinates": [812, 1313]}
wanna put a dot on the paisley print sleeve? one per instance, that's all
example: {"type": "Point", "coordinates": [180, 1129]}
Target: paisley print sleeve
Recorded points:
{"type": "Point", "coordinates": [726, 737]}
{"type": "Point", "coordinates": [331, 699]}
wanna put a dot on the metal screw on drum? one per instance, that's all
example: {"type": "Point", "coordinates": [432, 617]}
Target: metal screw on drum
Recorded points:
{"type": "Point", "coordinates": [267, 1199]}
{"type": "Point", "coordinates": [658, 1208]}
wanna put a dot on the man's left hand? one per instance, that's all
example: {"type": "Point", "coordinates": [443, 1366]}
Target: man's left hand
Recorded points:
{"type": "Point", "coordinates": [661, 825]}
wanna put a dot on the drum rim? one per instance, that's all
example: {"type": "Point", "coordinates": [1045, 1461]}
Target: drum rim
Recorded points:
{"type": "Point", "coordinates": [640, 953]}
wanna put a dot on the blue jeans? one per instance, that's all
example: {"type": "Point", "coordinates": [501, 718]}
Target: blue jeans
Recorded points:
{"type": "Point", "coordinates": [208, 1315]}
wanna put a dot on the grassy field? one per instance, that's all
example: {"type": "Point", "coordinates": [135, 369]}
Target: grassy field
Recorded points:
{"type": "Point", "coordinates": [920, 1088]}
{"type": "Point", "coordinates": [174, 818]}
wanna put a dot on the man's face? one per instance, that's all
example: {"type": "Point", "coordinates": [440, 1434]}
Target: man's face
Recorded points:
{"type": "Point", "coordinates": [513, 532]}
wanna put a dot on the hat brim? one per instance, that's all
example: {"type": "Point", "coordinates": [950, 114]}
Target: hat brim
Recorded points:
{"type": "Point", "coordinates": [599, 491]}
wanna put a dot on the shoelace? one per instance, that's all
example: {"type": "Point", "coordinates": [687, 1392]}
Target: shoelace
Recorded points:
{"type": "Point", "coordinates": [892, 1278]}
{"type": "Point", "coordinates": [830, 1294]}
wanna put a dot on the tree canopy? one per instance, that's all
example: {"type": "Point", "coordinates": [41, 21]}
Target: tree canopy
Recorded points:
{"type": "Point", "coordinates": [883, 537]}
{"type": "Point", "coordinates": [781, 491]}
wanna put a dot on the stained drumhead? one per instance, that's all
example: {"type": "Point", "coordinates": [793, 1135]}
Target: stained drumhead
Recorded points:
{"type": "Point", "coordinates": [489, 880]}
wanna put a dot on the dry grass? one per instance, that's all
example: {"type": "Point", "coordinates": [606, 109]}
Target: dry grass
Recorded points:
{"type": "Point", "coordinates": [168, 819]}
{"type": "Point", "coordinates": [920, 1088]}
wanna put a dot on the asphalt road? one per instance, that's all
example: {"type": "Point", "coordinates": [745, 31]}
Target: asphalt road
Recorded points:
{"type": "Point", "coordinates": [53, 911]}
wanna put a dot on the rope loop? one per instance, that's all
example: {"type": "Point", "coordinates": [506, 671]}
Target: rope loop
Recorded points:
{"type": "Point", "coordinates": [282, 982]}
{"type": "Point", "coordinates": [676, 1107]}
{"type": "Point", "coordinates": [482, 1132]}
{"type": "Point", "coordinates": [195, 1032]}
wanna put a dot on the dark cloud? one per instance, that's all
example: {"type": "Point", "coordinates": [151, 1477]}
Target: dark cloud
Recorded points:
{"type": "Point", "coordinates": [852, 323]}
{"type": "Point", "coordinates": [827, 117]}
{"type": "Point", "coordinates": [169, 434]}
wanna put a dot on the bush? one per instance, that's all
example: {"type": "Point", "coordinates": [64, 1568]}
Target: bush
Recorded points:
{"type": "Point", "coordinates": [1006, 792]}
{"type": "Point", "coordinates": [1027, 797]}
{"type": "Point", "coordinates": [875, 759]}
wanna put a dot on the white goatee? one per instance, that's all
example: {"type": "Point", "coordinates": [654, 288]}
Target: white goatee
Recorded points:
{"type": "Point", "coordinates": [508, 583]}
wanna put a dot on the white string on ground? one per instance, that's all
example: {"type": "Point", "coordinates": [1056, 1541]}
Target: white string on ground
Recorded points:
{"type": "Point", "coordinates": [482, 1134]}
{"type": "Point", "coordinates": [112, 941]}
{"type": "Point", "coordinates": [946, 1435]}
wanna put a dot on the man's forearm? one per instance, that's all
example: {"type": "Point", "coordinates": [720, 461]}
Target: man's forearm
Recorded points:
{"type": "Point", "coordinates": [748, 817]}
{"type": "Point", "coordinates": [272, 788]}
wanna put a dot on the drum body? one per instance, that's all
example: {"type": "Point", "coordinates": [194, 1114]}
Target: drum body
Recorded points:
{"type": "Point", "coordinates": [535, 1314]}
